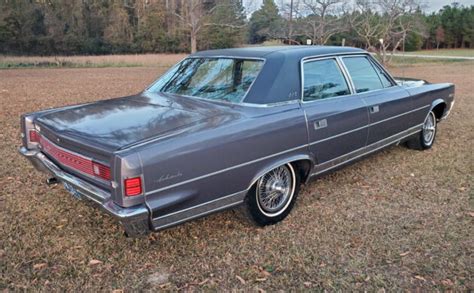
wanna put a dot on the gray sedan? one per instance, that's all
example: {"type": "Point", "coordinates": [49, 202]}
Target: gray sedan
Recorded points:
{"type": "Point", "coordinates": [232, 126]}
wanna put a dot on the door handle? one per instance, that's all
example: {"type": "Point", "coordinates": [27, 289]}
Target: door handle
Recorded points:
{"type": "Point", "coordinates": [320, 124]}
{"type": "Point", "coordinates": [374, 109]}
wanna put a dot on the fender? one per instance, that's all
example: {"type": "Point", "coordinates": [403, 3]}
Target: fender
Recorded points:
{"type": "Point", "coordinates": [436, 103]}
{"type": "Point", "coordinates": [277, 163]}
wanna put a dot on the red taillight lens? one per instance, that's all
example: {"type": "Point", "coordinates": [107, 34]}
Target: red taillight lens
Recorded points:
{"type": "Point", "coordinates": [133, 186]}
{"type": "Point", "coordinates": [34, 136]}
{"type": "Point", "coordinates": [101, 171]}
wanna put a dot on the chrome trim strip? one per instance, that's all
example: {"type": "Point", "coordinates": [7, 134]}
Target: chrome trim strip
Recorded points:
{"type": "Point", "coordinates": [337, 135]}
{"type": "Point", "coordinates": [399, 115]}
{"type": "Point", "coordinates": [370, 124]}
{"type": "Point", "coordinates": [199, 205]}
{"type": "Point", "coordinates": [346, 74]}
{"type": "Point", "coordinates": [196, 211]}
{"type": "Point", "coordinates": [321, 168]}
{"type": "Point", "coordinates": [171, 224]}
{"type": "Point", "coordinates": [224, 170]}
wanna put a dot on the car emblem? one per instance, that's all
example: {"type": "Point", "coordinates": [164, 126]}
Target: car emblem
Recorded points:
{"type": "Point", "coordinates": [58, 140]}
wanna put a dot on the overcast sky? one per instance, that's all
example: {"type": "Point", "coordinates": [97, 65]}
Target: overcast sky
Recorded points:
{"type": "Point", "coordinates": [429, 5]}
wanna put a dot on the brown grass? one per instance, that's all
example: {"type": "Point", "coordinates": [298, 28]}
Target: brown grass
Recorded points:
{"type": "Point", "coordinates": [399, 220]}
{"type": "Point", "coordinates": [156, 60]}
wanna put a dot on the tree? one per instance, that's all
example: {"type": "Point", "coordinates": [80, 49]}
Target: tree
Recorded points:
{"type": "Point", "coordinates": [322, 19]}
{"type": "Point", "coordinates": [215, 35]}
{"type": "Point", "coordinates": [387, 22]}
{"type": "Point", "coordinates": [266, 23]}
{"type": "Point", "coordinates": [439, 36]}
{"type": "Point", "coordinates": [196, 14]}
{"type": "Point", "coordinates": [118, 31]}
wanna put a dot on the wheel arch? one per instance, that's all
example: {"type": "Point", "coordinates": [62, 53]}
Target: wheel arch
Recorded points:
{"type": "Point", "coordinates": [438, 107]}
{"type": "Point", "coordinates": [302, 165]}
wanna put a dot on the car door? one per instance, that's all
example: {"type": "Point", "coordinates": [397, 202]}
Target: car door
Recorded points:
{"type": "Point", "coordinates": [336, 120]}
{"type": "Point", "coordinates": [389, 104]}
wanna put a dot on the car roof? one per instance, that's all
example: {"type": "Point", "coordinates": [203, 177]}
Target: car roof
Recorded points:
{"type": "Point", "coordinates": [269, 51]}
{"type": "Point", "coordinates": [279, 79]}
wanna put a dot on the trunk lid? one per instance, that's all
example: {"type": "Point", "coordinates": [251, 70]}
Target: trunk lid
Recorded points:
{"type": "Point", "coordinates": [97, 130]}
{"type": "Point", "coordinates": [114, 124]}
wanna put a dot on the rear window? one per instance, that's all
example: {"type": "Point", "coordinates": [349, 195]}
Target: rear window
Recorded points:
{"type": "Point", "coordinates": [222, 79]}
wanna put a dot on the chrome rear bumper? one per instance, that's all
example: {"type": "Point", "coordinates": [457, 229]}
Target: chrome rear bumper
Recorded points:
{"type": "Point", "coordinates": [134, 219]}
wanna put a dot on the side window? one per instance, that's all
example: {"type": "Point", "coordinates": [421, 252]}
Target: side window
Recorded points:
{"type": "Point", "coordinates": [323, 79]}
{"type": "Point", "coordinates": [363, 74]}
{"type": "Point", "coordinates": [383, 76]}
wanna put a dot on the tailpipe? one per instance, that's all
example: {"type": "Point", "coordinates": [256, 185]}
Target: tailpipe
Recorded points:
{"type": "Point", "coordinates": [52, 181]}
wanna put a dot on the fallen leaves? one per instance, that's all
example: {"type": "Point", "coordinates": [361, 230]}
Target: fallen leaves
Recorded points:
{"type": "Point", "coordinates": [241, 280]}
{"type": "Point", "coordinates": [420, 278]}
{"type": "Point", "coordinates": [158, 278]}
{"type": "Point", "coordinates": [40, 266]}
{"type": "Point", "coordinates": [94, 262]}
{"type": "Point", "coordinates": [447, 283]}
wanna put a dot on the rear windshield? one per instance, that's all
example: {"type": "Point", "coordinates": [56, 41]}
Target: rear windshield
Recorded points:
{"type": "Point", "coordinates": [223, 79]}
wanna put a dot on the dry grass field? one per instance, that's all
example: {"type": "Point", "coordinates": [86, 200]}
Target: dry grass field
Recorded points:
{"type": "Point", "coordinates": [398, 220]}
{"type": "Point", "coordinates": [155, 60]}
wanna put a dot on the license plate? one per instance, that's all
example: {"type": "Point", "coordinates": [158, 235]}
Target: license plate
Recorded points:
{"type": "Point", "coordinates": [72, 190]}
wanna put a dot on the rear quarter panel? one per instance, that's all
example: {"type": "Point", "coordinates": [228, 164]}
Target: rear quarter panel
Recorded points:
{"type": "Point", "coordinates": [221, 157]}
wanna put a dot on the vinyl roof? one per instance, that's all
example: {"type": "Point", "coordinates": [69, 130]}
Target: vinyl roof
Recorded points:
{"type": "Point", "coordinates": [268, 51]}
{"type": "Point", "coordinates": [280, 78]}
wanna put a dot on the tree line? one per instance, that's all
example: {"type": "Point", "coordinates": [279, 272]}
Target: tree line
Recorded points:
{"type": "Point", "coordinates": [50, 27]}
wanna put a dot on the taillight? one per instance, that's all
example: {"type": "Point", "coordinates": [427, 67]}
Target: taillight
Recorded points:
{"type": "Point", "coordinates": [33, 136]}
{"type": "Point", "coordinates": [133, 186]}
{"type": "Point", "coordinates": [101, 171]}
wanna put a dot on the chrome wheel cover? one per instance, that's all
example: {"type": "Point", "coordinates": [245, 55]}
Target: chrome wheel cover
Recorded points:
{"type": "Point", "coordinates": [429, 129]}
{"type": "Point", "coordinates": [275, 190]}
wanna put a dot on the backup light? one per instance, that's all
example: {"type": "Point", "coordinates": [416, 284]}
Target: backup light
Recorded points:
{"type": "Point", "coordinates": [101, 171]}
{"type": "Point", "coordinates": [33, 136]}
{"type": "Point", "coordinates": [133, 186]}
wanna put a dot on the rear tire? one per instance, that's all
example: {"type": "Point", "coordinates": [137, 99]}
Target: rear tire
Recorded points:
{"type": "Point", "coordinates": [273, 196]}
{"type": "Point", "coordinates": [425, 139]}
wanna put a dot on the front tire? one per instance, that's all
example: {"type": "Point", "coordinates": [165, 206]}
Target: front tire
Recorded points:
{"type": "Point", "coordinates": [272, 197]}
{"type": "Point", "coordinates": [425, 139]}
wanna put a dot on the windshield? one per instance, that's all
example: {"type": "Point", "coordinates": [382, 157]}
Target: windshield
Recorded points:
{"type": "Point", "coordinates": [224, 79]}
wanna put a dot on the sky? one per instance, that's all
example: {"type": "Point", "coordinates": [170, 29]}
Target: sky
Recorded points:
{"type": "Point", "coordinates": [429, 5]}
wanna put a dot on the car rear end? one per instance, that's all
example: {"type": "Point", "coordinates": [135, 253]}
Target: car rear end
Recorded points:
{"type": "Point", "coordinates": [110, 180]}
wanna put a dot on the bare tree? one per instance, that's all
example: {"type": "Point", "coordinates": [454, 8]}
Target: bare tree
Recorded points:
{"type": "Point", "coordinates": [439, 36]}
{"type": "Point", "coordinates": [195, 14]}
{"type": "Point", "coordinates": [321, 19]}
{"type": "Point", "coordinates": [386, 22]}
{"type": "Point", "coordinates": [366, 23]}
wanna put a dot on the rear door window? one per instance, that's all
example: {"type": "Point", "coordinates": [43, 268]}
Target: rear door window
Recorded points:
{"type": "Point", "coordinates": [323, 79]}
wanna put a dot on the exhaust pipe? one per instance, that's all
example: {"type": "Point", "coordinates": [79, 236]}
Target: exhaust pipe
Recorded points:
{"type": "Point", "coordinates": [52, 181]}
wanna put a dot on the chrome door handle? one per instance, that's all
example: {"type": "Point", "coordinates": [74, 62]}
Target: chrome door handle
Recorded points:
{"type": "Point", "coordinates": [374, 109]}
{"type": "Point", "coordinates": [320, 124]}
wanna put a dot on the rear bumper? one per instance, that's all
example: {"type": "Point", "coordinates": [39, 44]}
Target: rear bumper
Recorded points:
{"type": "Point", "coordinates": [134, 219]}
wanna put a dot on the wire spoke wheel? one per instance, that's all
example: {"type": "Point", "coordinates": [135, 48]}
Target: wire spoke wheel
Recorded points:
{"type": "Point", "coordinates": [275, 190]}
{"type": "Point", "coordinates": [429, 129]}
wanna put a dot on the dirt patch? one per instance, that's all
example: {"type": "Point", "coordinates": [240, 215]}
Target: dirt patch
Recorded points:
{"type": "Point", "coordinates": [400, 219]}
